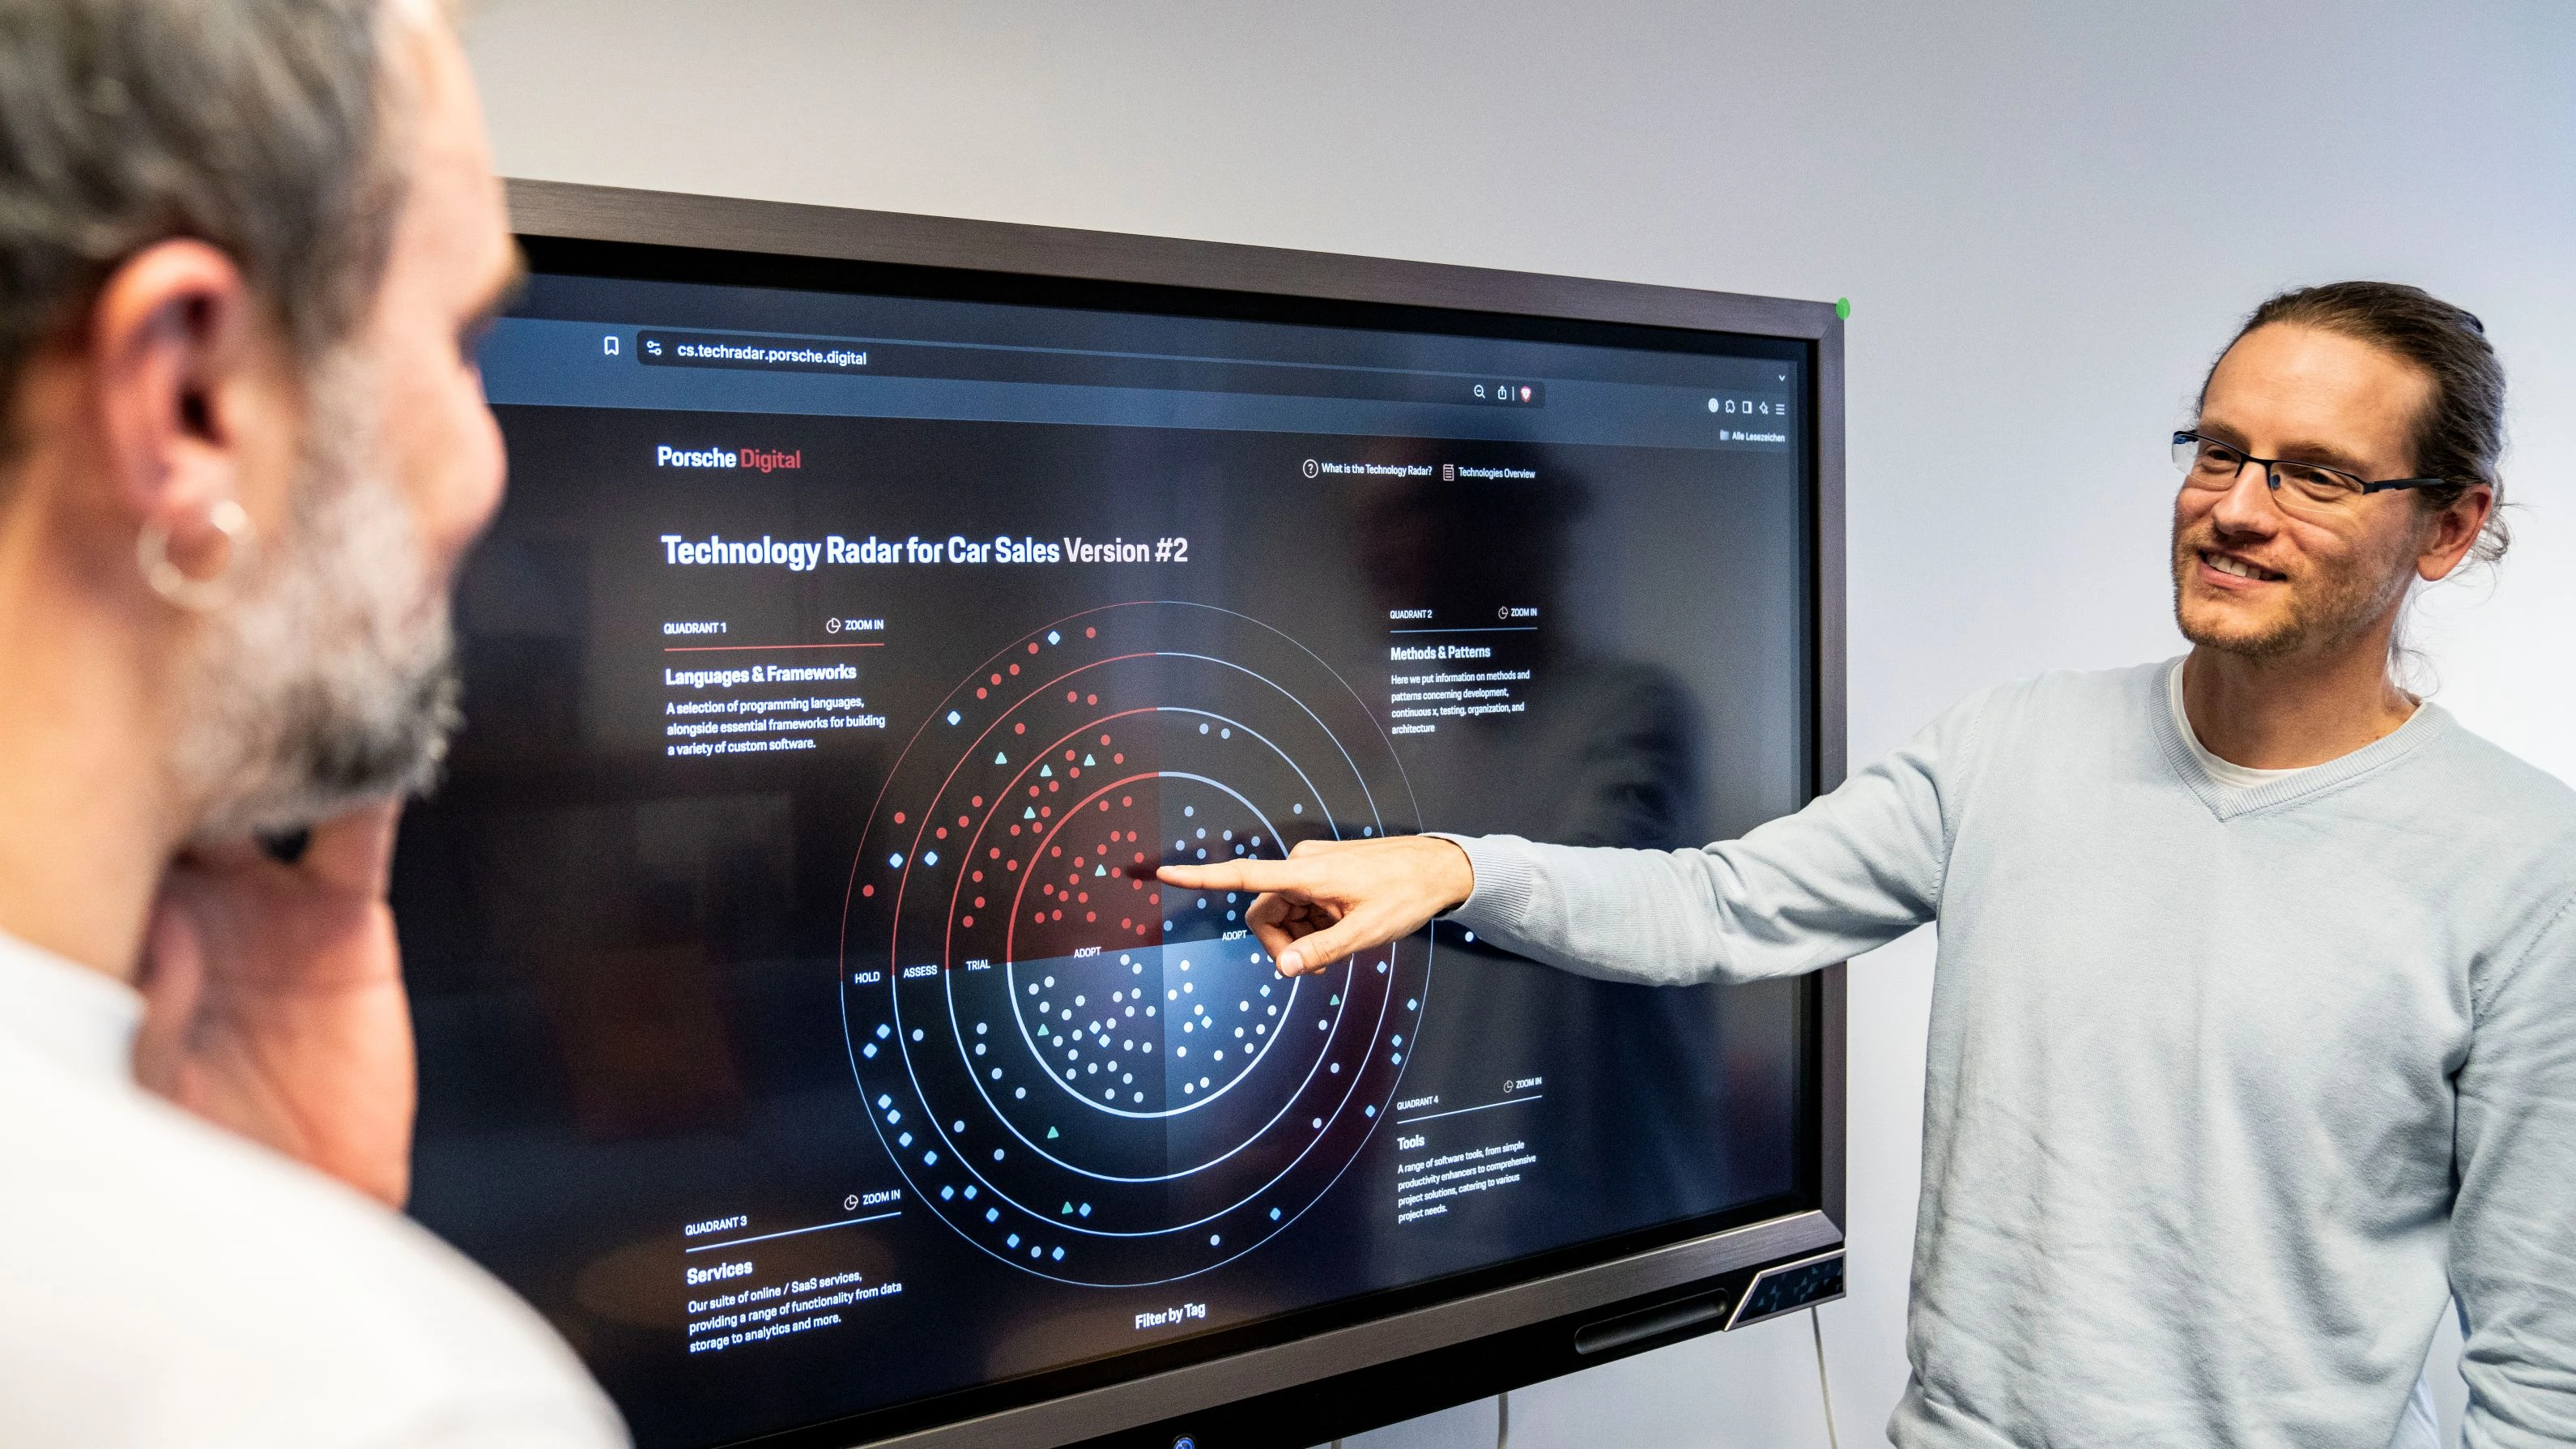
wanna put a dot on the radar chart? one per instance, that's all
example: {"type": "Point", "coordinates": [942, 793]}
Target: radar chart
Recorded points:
{"type": "Point", "coordinates": [1089, 1075]}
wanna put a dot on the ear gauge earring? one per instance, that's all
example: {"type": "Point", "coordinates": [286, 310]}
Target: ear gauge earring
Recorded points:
{"type": "Point", "coordinates": [173, 584]}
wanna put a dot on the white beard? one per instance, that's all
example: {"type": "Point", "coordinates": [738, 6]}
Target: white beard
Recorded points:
{"type": "Point", "coordinates": [330, 680]}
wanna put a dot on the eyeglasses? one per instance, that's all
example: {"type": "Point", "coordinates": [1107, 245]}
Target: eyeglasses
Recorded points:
{"type": "Point", "coordinates": [2209, 463]}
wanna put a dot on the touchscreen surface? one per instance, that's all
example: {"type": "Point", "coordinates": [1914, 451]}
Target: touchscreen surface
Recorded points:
{"type": "Point", "coordinates": [802, 1029]}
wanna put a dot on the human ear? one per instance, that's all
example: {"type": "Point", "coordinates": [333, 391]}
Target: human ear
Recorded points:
{"type": "Point", "coordinates": [2452, 531]}
{"type": "Point", "coordinates": [177, 357]}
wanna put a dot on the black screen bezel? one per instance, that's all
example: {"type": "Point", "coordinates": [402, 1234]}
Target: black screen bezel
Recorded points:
{"type": "Point", "coordinates": [1147, 281]}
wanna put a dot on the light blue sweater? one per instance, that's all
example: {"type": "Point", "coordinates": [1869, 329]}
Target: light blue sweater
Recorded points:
{"type": "Point", "coordinates": [2227, 1088]}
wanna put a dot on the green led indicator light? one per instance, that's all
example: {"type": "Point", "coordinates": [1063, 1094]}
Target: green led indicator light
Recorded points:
{"type": "Point", "coordinates": [1842, 308]}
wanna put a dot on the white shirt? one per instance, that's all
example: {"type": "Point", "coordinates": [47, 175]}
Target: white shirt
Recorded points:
{"type": "Point", "coordinates": [2225, 772]}
{"type": "Point", "coordinates": [164, 1283]}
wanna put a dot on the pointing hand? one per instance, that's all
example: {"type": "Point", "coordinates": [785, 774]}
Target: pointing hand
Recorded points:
{"type": "Point", "coordinates": [1332, 898]}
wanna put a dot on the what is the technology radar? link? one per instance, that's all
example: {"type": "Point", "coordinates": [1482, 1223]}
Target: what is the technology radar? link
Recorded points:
{"type": "Point", "coordinates": [806, 555]}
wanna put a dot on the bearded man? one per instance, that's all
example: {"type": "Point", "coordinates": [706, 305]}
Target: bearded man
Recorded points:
{"type": "Point", "coordinates": [246, 249]}
{"type": "Point", "coordinates": [2253, 1029]}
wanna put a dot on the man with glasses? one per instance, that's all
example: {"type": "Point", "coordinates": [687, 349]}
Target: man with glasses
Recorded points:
{"type": "Point", "coordinates": [2253, 1030]}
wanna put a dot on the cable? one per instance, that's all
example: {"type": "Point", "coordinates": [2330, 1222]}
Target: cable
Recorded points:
{"type": "Point", "coordinates": [1816, 1322]}
{"type": "Point", "coordinates": [1503, 1420]}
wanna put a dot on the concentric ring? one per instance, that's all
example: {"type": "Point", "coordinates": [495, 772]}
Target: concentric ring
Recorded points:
{"type": "Point", "coordinates": [1090, 1077]}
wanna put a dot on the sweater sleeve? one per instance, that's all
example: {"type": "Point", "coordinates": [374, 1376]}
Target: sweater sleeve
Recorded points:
{"type": "Point", "coordinates": [2513, 1221]}
{"type": "Point", "coordinates": [1856, 869]}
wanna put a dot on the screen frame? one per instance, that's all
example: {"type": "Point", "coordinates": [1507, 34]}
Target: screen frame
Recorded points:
{"type": "Point", "coordinates": [1537, 1319]}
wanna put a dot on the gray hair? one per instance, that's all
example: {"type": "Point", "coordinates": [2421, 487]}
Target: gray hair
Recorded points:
{"type": "Point", "coordinates": [256, 126]}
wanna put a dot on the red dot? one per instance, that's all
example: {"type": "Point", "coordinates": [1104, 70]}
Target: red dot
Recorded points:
{"type": "Point", "coordinates": [1104, 805]}
{"type": "Point", "coordinates": [1117, 759]}
{"type": "Point", "coordinates": [1155, 899]}
{"type": "Point", "coordinates": [967, 921]}
{"type": "Point", "coordinates": [898, 817]}
{"type": "Point", "coordinates": [1126, 921]}
{"type": "Point", "coordinates": [961, 822]}
{"type": "Point", "coordinates": [1070, 695]}
{"type": "Point", "coordinates": [979, 876]}
{"type": "Point", "coordinates": [1059, 915]}
{"type": "Point", "coordinates": [1104, 739]}
{"type": "Point", "coordinates": [979, 802]}
{"type": "Point", "coordinates": [1033, 646]}
{"type": "Point", "coordinates": [1126, 800]}
{"type": "Point", "coordinates": [1045, 810]}
{"type": "Point", "coordinates": [996, 679]}
{"type": "Point", "coordinates": [1091, 915]}
{"type": "Point", "coordinates": [979, 900]}
{"type": "Point", "coordinates": [1090, 633]}
{"type": "Point", "coordinates": [1020, 729]}
{"type": "Point", "coordinates": [1013, 864]}
{"type": "Point", "coordinates": [1033, 789]}
{"type": "Point", "coordinates": [1015, 669]}
{"type": "Point", "coordinates": [1038, 916]}
{"type": "Point", "coordinates": [1068, 754]}
{"type": "Point", "coordinates": [997, 853]}
{"type": "Point", "coordinates": [1057, 851]}
{"type": "Point", "coordinates": [1052, 785]}
{"type": "Point", "coordinates": [979, 691]}
{"type": "Point", "coordinates": [1140, 857]}
{"type": "Point", "coordinates": [941, 832]}
{"type": "Point", "coordinates": [867, 890]}
{"type": "Point", "coordinates": [1091, 699]}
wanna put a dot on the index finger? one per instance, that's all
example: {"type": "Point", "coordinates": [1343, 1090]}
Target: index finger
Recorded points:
{"type": "Point", "coordinates": [1237, 875]}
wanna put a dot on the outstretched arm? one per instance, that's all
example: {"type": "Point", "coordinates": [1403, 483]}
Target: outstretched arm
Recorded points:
{"type": "Point", "coordinates": [1855, 869]}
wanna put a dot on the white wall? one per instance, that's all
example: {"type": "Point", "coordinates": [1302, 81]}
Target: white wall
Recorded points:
{"type": "Point", "coordinates": [2047, 218]}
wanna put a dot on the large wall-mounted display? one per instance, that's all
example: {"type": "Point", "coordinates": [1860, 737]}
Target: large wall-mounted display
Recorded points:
{"type": "Point", "coordinates": [879, 601]}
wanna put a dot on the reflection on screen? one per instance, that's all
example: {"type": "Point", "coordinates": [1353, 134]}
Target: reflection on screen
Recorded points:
{"type": "Point", "coordinates": [802, 1027]}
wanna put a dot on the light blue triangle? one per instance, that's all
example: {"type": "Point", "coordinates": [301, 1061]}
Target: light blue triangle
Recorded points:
{"type": "Point", "coordinates": [1030, 813]}
{"type": "Point", "coordinates": [1046, 772]}
{"type": "Point", "coordinates": [1089, 760]}
{"type": "Point", "coordinates": [1100, 870]}
{"type": "Point", "coordinates": [1000, 759]}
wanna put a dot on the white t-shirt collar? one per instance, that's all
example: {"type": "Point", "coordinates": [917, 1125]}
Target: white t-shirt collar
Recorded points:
{"type": "Point", "coordinates": [78, 1019]}
{"type": "Point", "coordinates": [2225, 772]}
